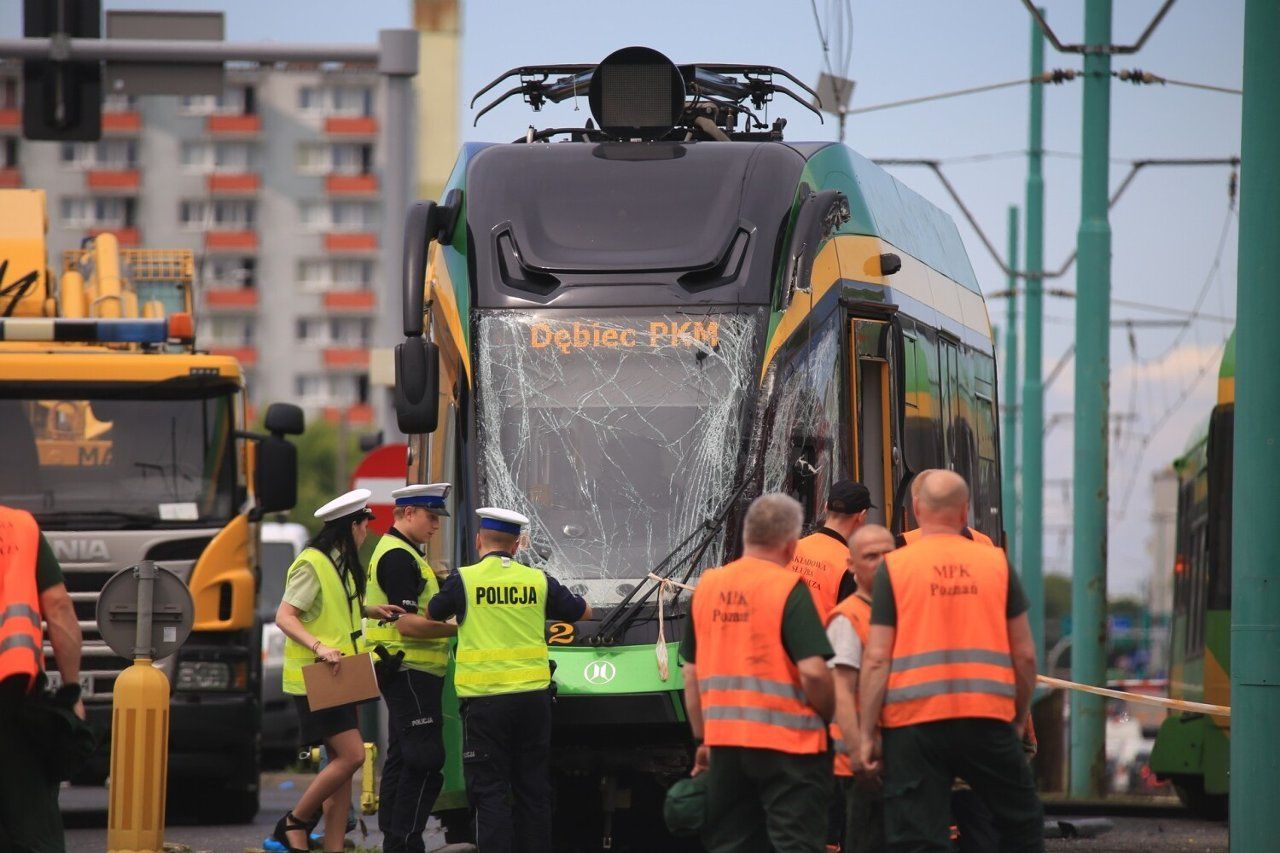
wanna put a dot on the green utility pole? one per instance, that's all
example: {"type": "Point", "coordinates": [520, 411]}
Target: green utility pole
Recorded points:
{"type": "Point", "coordinates": [1255, 549]}
{"type": "Point", "coordinates": [1092, 410]}
{"type": "Point", "coordinates": [1009, 435]}
{"type": "Point", "coordinates": [1031, 522]}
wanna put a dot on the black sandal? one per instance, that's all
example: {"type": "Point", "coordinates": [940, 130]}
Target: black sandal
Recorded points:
{"type": "Point", "coordinates": [291, 823]}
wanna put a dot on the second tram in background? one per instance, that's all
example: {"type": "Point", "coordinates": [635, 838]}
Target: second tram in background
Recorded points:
{"type": "Point", "coordinates": [635, 327]}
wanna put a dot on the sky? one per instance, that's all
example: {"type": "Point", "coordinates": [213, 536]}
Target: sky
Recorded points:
{"type": "Point", "coordinates": [1167, 229]}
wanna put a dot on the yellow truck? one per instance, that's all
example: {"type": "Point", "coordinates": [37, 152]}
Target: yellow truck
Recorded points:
{"type": "Point", "coordinates": [128, 443]}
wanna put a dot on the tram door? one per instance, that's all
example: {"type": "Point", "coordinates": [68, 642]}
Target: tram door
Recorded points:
{"type": "Point", "coordinates": [871, 380]}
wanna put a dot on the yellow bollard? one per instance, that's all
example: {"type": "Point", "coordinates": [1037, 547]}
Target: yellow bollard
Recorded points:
{"type": "Point", "coordinates": [139, 760]}
{"type": "Point", "coordinates": [368, 780]}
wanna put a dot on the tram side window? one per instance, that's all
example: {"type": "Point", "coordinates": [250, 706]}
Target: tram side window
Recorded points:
{"type": "Point", "coordinates": [986, 481]}
{"type": "Point", "coordinates": [803, 455]}
{"type": "Point", "coordinates": [1221, 447]}
{"type": "Point", "coordinates": [1198, 571]}
{"type": "Point", "coordinates": [923, 403]}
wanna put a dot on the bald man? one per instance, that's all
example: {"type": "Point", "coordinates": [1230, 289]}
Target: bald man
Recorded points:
{"type": "Point", "coordinates": [911, 535]}
{"type": "Point", "coordinates": [948, 673]}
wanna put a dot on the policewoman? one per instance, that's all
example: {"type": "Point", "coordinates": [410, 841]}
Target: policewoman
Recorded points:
{"type": "Point", "coordinates": [412, 677]}
{"type": "Point", "coordinates": [503, 680]}
{"type": "Point", "coordinates": [321, 616]}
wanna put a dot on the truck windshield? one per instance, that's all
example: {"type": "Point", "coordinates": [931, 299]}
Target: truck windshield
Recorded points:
{"type": "Point", "coordinates": [617, 436]}
{"type": "Point", "coordinates": [87, 456]}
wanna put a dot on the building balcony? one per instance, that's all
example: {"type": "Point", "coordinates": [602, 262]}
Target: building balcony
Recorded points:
{"type": "Point", "coordinates": [363, 126]}
{"type": "Point", "coordinates": [233, 125]}
{"type": "Point", "coordinates": [239, 299]}
{"type": "Point", "coordinates": [359, 301]}
{"type": "Point", "coordinates": [359, 413]}
{"type": "Point", "coordinates": [237, 241]}
{"type": "Point", "coordinates": [351, 241]}
{"type": "Point", "coordinates": [348, 358]}
{"type": "Point", "coordinates": [10, 119]}
{"type": "Point", "coordinates": [113, 180]}
{"type": "Point", "coordinates": [233, 183]}
{"type": "Point", "coordinates": [246, 355]}
{"type": "Point", "coordinates": [126, 237]}
{"type": "Point", "coordinates": [347, 185]}
{"type": "Point", "coordinates": [10, 179]}
{"type": "Point", "coordinates": [124, 123]}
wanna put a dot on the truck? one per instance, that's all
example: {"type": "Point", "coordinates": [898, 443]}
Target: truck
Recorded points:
{"type": "Point", "coordinates": [128, 443]}
{"type": "Point", "coordinates": [628, 328]}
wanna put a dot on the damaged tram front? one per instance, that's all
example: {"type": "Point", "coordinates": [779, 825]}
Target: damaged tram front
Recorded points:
{"type": "Point", "coordinates": [631, 331]}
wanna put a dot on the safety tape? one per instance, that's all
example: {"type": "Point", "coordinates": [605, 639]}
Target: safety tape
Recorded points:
{"type": "Point", "coordinates": [660, 648]}
{"type": "Point", "coordinates": [1139, 698]}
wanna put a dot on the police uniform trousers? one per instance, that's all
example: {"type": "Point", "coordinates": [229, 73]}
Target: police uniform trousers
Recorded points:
{"type": "Point", "coordinates": [864, 816]}
{"type": "Point", "coordinates": [506, 758]}
{"type": "Point", "coordinates": [763, 800]}
{"type": "Point", "coordinates": [922, 761]}
{"type": "Point", "coordinates": [411, 774]}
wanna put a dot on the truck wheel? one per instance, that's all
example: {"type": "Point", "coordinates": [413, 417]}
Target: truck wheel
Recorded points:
{"type": "Point", "coordinates": [215, 808]}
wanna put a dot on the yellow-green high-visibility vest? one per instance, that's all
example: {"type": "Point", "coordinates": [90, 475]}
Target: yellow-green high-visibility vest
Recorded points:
{"type": "Point", "coordinates": [430, 656]}
{"type": "Point", "coordinates": [502, 644]}
{"type": "Point", "coordinates": [337, 625]}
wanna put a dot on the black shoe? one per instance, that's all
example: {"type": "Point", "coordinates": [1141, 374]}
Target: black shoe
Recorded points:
{"type": "Point", "coordinates": [290, 823]}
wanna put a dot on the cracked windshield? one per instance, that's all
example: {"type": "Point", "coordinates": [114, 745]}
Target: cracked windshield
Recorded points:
{"type": "Point", "coordinates": [118, 463]}
{"type": "Point", "coordinates": [617, 436]}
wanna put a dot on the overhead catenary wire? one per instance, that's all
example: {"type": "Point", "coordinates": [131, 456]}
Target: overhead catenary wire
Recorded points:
{"type": "Point", "coordinates": [1057, 75]}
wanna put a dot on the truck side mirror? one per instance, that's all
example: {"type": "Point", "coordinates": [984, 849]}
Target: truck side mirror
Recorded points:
{"type": "Point", "coordinates": [417, 386]}
{"type": "Point", "coordinates": [275, 481]}
{"type": "Point", "coordinates": [284, 419]}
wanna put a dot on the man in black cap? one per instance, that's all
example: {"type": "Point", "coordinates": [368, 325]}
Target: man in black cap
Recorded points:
{"type": "Point", "coordinates": [822, 557]}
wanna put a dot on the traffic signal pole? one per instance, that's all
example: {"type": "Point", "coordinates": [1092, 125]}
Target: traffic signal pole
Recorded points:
{"type": "Point", "coordinates": [1255, 560]}
{"type": "Point", "coordinates": [1009, 434]}
{"type": "Point", "coordinates": [1092, 410]}
{"type": "Point", "coordinates": [1031, 506]}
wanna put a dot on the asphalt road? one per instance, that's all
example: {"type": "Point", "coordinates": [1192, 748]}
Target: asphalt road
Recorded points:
{"type": "Point", "coordinates": [85, 813]}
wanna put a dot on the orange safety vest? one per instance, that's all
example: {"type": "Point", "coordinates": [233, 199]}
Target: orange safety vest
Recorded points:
{"type": "Point", "coordinates": [750, 688]}
{"type": "Point", "coordinates": [951, 648]}
{"type": "Point", "coordinates": [821, 561]}
{"type": "Point", "coordinates": [858, 611]}
{"type": "Point", "coordinates": [969, 533]}
{"type": "Point", "coordinates": [21, 641]}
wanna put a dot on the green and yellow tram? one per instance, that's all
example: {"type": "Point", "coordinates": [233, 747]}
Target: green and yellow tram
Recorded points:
{"type": "Point", "coordinates": [1193, 750]}
{"type": "Point", "coordinates": [627, 330]}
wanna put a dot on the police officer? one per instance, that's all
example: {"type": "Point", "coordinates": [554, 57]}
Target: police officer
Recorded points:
{"type": "Point", "coordinates": [400, 575]}
{"type": "Point", "coordinates": [822, 557]}
{"type": "Point", "coordinates": [502, 678]}
{"type": "Point", "coordinates": [948, 673]}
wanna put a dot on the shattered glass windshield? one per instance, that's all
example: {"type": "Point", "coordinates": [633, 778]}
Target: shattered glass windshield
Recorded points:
{"type": "Point", "coordinates": [617, 436]}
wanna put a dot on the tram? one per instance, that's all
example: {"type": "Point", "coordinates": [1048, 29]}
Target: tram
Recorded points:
{"type": "Point", "coordinates": [629, 329]}
{"type": "Point", "coordinates": [1193, 750]}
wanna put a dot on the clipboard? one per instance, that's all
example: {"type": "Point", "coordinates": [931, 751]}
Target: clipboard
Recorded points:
{"type": "Point", "coordinates": [352, 681]}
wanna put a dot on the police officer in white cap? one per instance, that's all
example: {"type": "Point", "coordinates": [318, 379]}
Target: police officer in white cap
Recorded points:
{"type": "Point", "coordinates": [400, 575]}
{"type": "Point", "coordinates": [324, 602]}
{"type": "Point", "coordinates": [503, 678]}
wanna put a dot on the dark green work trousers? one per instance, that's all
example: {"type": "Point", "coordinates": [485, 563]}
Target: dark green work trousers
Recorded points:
{"type": "Point", "coordinates": [764, 800]}
{"type": "Point", "coordinates": [864, 816]}
{"type": "Point", "coordinates": [29, 818]}
{"type": "Point", "coordinates": [921, 763]}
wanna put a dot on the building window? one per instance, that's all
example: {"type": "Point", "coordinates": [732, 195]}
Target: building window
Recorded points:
{"type": "Point", "coordinates": [119, 103]}
{"type": "Point", "coordinates": [230, 331]}
{"type": "Point", "coordinates": [205, 156]}
{"type": "Point", "coordinates": [326, 389]}
{"type": "Point", "coordinates": [104, 154]}
{"type": "Point", "coordinates": [219, 214]}
{"type": "Point", "coordinates": [79, 212]}
{"type": "Point", "coordinates": [353, 332]}
{"type": "Point", "coordinates": [336, 273]}
{"type": "Point", "coordinates": [338, 158]}
{"type": "Point", "coordinates": [9, 152]}
{"type": "Point", "coordinates": [228, 272]}
{"type": "Point", "coordinates": [339, 215]}
{"type": "Point", "coordinates": [333, 100]}
{"type": "Point", "coordinates": [9, 94]}
{"type": "Point", "coordinates": [234, 101]}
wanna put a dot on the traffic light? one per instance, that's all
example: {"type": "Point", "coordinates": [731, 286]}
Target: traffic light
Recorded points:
{"type": "Point", "coordinates": [62, 100]}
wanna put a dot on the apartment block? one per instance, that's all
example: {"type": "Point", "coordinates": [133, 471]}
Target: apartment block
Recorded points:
{"type": "Point", "coordinates": [275, 184]}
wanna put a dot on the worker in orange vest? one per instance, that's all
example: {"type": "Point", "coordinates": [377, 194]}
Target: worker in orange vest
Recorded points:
{"type": "Point", "coordinates": [948, 674]}
{"type": "Point", "coordinates": [908, 536]}
{"type": "Point", "coordinates": [822, 557]}
{"type": "Point", "coordinates": [848, 627]}
{"type": "Point", "coordinates": [758, 693]}
{"type": "Point", "coordinates": [31, 589]}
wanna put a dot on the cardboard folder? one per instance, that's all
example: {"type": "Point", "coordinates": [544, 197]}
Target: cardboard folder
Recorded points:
{"type": "Point", "coordinates": [351, 680]}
